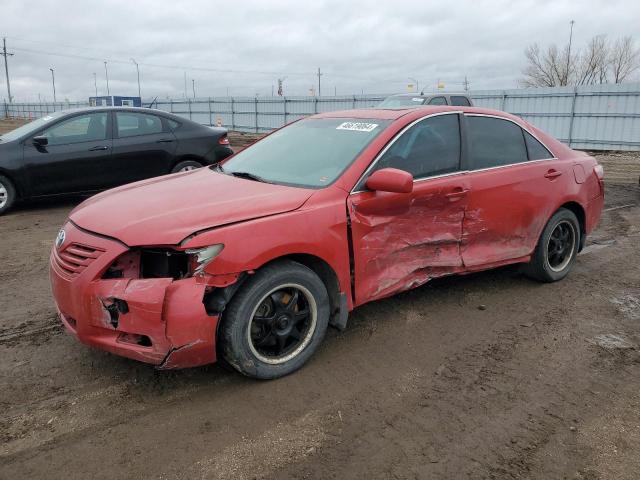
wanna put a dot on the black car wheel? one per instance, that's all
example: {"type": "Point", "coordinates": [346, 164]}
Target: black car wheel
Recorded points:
{"type": "Point", "coordinates": [7, 194]}
{"type": "Point", "coordinates": [276, 321]}
{"type": "Point", "coordinates": [557, 248]}
{"type": "Point", "coordinates": [186, 166]}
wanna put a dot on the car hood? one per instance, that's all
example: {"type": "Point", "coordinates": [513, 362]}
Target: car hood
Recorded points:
{"type": "Point", "coordinates": [165, 210]}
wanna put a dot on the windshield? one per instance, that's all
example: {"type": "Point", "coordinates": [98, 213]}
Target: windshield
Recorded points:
{"type": "Point", "coordinates": [308, 153]}
{"type": "Point", "coordinates": [401, 101]}
{"type": "Point", "coordinates": [29, 127]}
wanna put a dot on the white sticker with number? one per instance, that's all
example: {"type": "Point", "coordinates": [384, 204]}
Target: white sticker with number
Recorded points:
{"type": "Point", "coordinates": [357, 126]}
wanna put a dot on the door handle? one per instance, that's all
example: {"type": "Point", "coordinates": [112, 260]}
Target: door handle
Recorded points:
{"type": "Point", "coordinates": [164, 140]}
{"type": "Point", "coordinates": [552, 174]}
{"type": "Point", "coordinates": [457, 193]}
{"type": "Point", "coordinates": [96, 149]}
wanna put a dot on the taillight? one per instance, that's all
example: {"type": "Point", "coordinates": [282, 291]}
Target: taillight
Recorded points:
{"type": "Point", "coordinates": [599, 171]}
{"type": "Point", "coordinates": [223, 140]}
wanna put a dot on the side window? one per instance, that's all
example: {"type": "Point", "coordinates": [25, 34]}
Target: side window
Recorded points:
{"type": "Point", "coordinates": [431, 147]}
{"type": "Point", "coordinates": [173, 124]}
{"type": "Point", "coordinates": [460, 101]}
{"type": "Point", "coordinates": [494, 142]}
{"type": "Point", "coordinates": [437, 101]}
{"type": "Point", "coordinates": [133, 124]}
{"type": "Point", "coordinates": [91, 127]}
{"type": "Point", "coordinates": [536, 150]}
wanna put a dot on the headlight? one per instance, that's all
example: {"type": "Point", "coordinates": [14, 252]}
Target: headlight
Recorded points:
{"type": "Point", "coordinates": [203, 256]}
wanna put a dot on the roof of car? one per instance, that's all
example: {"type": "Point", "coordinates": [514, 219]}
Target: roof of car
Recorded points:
{"type": "Point", "coordinates": [395, 113]}
{"type": "Point", "coordinates": [93, 109]}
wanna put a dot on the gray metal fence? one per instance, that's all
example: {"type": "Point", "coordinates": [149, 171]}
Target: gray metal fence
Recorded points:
{"type": "Point", "coordinates": [601, 117]}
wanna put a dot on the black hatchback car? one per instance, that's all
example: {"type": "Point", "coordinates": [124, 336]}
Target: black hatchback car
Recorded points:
{"type": "Point", "coordinates": [86, 150]}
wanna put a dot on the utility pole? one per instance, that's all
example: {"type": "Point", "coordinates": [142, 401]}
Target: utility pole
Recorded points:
{"type": "Point", "coordinates": [95, 82]}
{"type": "Point", "coordinates": [319, 90]}
{"type": "Point", "coordinates": [138, 70]}
{"type": "Point", "coordinates": [566, 80]}
{"type": "Point", "coordinates": [193, 86]}
{"type": "Point", "coordinates": [106, 75]}
{"type": "Point", "coordinates": [53, 81]}
{"type": "Point", "coordinates": [466, 84]}
{"type": "Point", "coordinates": [6, 66]}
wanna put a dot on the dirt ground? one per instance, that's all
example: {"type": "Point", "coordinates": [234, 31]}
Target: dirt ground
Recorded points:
{"type": "Point", "coordinates": [488, 375]}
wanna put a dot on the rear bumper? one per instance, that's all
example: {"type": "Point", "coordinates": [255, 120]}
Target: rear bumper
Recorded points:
{"type": "Point", "coordinates": [158, 321]}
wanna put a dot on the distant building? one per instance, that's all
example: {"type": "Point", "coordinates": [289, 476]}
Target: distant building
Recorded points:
{"type": "Point", "coordinates": [115, 101]}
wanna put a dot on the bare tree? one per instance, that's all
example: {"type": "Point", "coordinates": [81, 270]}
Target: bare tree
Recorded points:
{"type": "Point", "coordinates": [624, 59]}
{"type": "Point", "coordinates": [547, 69]}
{"type": "Point", "coordinates": [594, 62]}
{"type": "Point", "coordinates": [599, 62]}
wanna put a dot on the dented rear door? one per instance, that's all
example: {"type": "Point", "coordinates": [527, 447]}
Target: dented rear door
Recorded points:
{"type": "Point", "coordinates": [401, 240]}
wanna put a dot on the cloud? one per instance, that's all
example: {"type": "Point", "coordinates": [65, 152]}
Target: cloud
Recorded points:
{"type": "Point", "coordinates": [244, 47]}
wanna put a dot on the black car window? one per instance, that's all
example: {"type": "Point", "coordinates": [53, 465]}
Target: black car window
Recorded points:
{"type": "Point", "coordinates": [90, 127]}
{"type": "Point", "coordinates": [460, 101]}
{"type": "Point", "coordinates": [536, 150]}
{"type": "Point", "coordinates": [133, 124]}
{"type": "Point", "coordinates": [173, 124]}
{"type": "Point", "coordinates": [437, 101]}
{"type": "Point", "coordinates": [431, 147]}
{"type": "Point", "coordinates": [494, 142]}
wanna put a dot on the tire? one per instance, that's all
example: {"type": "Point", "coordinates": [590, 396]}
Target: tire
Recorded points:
{"type": "Point", "coordinates": [185, 166]}
{"type": "Point", "coordinates": [266, 310]}
{"type": "Point", "coordinates": [7, 194]}
{"type": "Point", "coordinates": [549, 263]}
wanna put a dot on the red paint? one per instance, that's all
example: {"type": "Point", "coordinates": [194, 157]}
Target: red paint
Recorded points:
{"type": "Point", "coordinates": [458, 223]}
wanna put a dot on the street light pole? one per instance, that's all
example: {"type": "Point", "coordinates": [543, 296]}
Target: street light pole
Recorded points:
{"type": "Point", "coordinates": [95, 83]}
{"type": "Point", "coordinates": [106, 74]}
{"type": "Point", "coordinates": [138, 70]}
{"type": "Point", "coordinates": [53, 81]}
{"type": "Point", "coordinates": [193, 86]}
{"type": "Point", "coordinates": [566, 80]}
{"type": "Point", "coordinates": [416, 82]}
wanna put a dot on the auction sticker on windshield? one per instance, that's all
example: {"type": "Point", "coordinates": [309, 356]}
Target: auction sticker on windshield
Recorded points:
{"type": "Point", "coordinates": [357, 126]}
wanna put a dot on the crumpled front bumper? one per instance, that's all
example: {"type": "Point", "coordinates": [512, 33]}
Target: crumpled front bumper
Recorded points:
{"type": "Point", "coordinates": [160, 321]}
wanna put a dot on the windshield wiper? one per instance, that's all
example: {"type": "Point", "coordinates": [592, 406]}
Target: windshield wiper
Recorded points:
{"type": "Point", "coordinates": [249, 176]}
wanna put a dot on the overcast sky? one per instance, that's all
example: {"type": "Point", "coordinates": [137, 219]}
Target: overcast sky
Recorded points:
{"type": "Point", "coordinates": [243, 47]}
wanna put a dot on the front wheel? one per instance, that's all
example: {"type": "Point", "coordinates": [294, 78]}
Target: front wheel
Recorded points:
{"type": "Point", "coordinates": [276, 321]}
{"type": "Point", "coordinates": [7, 194]}
{"type": "Point", "coordinates": [186, 166]}
{"type": "Point", "coordinates": [557, 248]}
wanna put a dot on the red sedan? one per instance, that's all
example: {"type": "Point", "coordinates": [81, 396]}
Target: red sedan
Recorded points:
{"type": "Point", "coordinates": [252, 260]}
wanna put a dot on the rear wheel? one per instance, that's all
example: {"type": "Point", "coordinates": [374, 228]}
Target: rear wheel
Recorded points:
{"type": "Point", "coordinates": [276, 321]}
{"type": "Point", "coordinates": [557, 248]}
{"type": "Point", "coordinates": [186, 166]}
{"type": "Point", "coordinates": [7, 194]}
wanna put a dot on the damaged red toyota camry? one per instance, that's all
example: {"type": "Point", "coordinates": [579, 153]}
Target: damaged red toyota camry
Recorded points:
{"type": "Point", "coordinates": [250, 261]}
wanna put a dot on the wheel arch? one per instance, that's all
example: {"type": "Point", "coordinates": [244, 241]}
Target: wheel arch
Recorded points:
{"type": "Point", "coordinates": [580, 213]}
{"type": "Point", "coordinates": [188, 157]}
{"type": "Point", "coordinates": [18, 187]}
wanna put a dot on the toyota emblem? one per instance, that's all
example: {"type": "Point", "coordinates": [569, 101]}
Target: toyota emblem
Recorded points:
{"type": "Point", "coordinates": [60, 238]}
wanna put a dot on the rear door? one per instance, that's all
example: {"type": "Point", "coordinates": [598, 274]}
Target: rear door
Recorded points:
{"type": "Point", "coordinates": [143, 146]}
{"type": "Point", "coordinates": [77, 152]}
{"type": "Point", "coordinates": [514, 185]}
{"type": "Point", "coordinates": [401, 240]}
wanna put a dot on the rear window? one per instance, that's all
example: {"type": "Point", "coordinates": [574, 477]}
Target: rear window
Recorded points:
{"type": "Point", "coordinates": [460, 101]}
{"type": "Point", "coordinates": [494, 142]}
{"type": "Point", "coordinates": [401, 101]}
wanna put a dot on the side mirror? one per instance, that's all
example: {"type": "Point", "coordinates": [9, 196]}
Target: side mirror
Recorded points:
{"type": "Point", "coordinates": [40, 141]}
{"type": "Point", "coordinates": [390, 180]}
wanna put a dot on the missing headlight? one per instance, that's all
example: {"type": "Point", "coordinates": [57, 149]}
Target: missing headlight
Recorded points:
{"type": "Point", "coordinates": [163, 263]}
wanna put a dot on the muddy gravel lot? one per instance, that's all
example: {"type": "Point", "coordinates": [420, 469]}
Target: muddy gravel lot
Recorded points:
{"type": "Point", "coordinates": [488, 375]}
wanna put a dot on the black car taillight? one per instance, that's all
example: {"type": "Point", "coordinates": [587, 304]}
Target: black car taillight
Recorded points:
{"type": "Point", "coordinates": [223, 140]}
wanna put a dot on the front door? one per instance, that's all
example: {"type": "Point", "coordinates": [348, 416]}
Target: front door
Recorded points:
{"type": "Point", "coordinates": [401, 240]}
{"type": "Point", "coordinates": [77, 153]}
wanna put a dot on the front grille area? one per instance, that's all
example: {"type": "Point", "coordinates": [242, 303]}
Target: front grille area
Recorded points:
{"type": "Point", "coordinates": [75, 257]}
